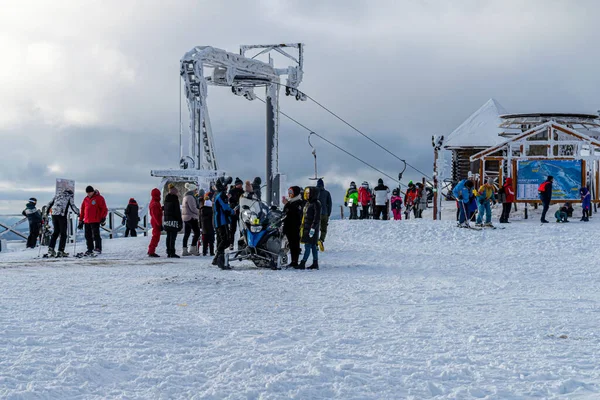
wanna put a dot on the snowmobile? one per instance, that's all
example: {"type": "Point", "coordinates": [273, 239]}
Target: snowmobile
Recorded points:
{"type": "Point", "coordinates": [261, 236]}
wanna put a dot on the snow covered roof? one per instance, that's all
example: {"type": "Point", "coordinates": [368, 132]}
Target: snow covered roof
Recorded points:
{"type": "Point", "coordinates": [481, 129]}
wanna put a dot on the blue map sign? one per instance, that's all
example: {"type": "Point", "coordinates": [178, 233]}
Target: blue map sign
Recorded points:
{"type": "Point", "coordinates": [566, 173]}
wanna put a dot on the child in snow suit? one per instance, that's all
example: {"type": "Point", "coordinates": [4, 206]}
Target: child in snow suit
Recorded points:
{"type": "Point", "coordinates": [156, 220]}
{"type": "Point", "coordinates": [364, 199]}
{"type": "Point", "coordinates": [34, 217]}
{"type": "Point", "coordinates": [93, 214]}
{"type": "Point", "coordinates": [173, 221]}
{"type": "Point", "coordinates": [351, 200]}
{"type": "Point", "coordinates": [132, 218]}
{"type": "Point", "coordinates": [208, 230]}
{"type": "Point", "coordinates": [561, 214]}
{"type": "Point", "coordinates": [293, 210]}
{"type": "Point", "coordinates": [190, 215]}
{"type": "Point", "coordinates": [311, 219]}
{"type": "Point", "coordinates": [396, 203]}
{"type": "Point", "coordinates": [586, 203]}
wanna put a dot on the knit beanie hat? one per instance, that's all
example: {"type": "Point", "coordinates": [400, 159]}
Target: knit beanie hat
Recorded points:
{"type": "Point", "coordinates": [190, 186]}
{"type": "Point", "coordinates": [89, 189]}
{"type": "Point", "coordinates": [238, 181]}
{"type": "Point", "coordinates": [33, 200]}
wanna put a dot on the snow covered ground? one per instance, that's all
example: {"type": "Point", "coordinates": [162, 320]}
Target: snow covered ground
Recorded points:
{"type": "Point", "coordinates": [416, 309]}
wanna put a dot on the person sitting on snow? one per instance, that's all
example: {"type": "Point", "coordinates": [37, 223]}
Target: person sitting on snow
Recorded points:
{"type": "Point", "coordinates": [561, 214]}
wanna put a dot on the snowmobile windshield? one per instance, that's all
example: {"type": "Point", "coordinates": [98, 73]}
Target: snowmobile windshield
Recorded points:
{"type": "Point", "coordinates": [255, 214]}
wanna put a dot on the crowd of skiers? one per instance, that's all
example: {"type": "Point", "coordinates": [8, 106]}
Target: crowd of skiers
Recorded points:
{"type": "Point", "coordinates": [379, 201]}
{"type": "Point", "coordinates": [471, 201]}
{"type": "Point", "coordinates": [216, 213]}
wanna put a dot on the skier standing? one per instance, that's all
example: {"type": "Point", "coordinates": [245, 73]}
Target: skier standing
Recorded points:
{"type": "Point", "coordinates": [364, 199]}
{"type": "Point", "coordinates": [222, 214]}
{"type": "Point", "coordinates": [586, 203]}
{"type": "Point", "coordinates": [132, 218]}
{"type": "Point", "coordinates": [173, 221]}
{"type": "Point", "coordinates": [156, 220]}
{"type": "Point", "coordinates": [462, 192]}
{"type": "Point", "coordinates": [191, 216]}
{"type": "Point", "coordinates": [506, 196]}
{"type": "Point", "coordinates": [396, 203]}
{"type": "Point", "coordinates": [381, 193]}
{"type": "Point", "coordinates": [485, 199]}
{"type": "Point", "coordinates": [326, 206]}
{"type": "Point", "coordinates": [420, 200]}
{"type": "Point", "coordinates": [311, 218]}
{"type": "Point", "coordinates": [59, 207]}
{"type": "Point", "coordinates": [545, 193]}
{"type": "Point", "coordinates": [293, 210]}
{"type": "Point", "coordinates": [208, 230]}
{"type": "Point", "coordinates": [34, 217]}
{"type": "Point", "coordinates": [234, 200]}
{"type": "Point", "coordinates": [351, 200]}
{"type": "Point", "coordinates": [409, 199]}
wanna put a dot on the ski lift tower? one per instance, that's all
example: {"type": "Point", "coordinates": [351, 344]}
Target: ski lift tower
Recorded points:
{"type": "Point", "coordinates": [205, 65]}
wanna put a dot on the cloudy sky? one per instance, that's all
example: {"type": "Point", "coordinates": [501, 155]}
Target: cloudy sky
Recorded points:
{"type": "Point", "coordinates": [90, 89]}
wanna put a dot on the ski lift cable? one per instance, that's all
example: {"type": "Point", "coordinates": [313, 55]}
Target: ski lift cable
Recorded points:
{"type": "Point", "coordinates": [334, 145]}
{"type": "Point", "coordinates": [357, 130]}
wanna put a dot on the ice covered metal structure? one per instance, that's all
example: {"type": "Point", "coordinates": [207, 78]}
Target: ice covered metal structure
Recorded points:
{"type": "Point", "coordinates": [243, 72]}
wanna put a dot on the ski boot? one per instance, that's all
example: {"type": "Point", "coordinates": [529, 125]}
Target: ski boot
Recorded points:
{"type": "Point", "coordinates": [315, 265]}
{"type": "Point", "coordinates": [154, 255]}
{"type": "Point", "coordinates": [51, 252]}
{"type": "Point", "coordinates": [88, 253]}
{"type": "Point", "coordinates": [221, 262]}
{"type": "Point", "coordinates": [98, 251]}
{"type": "Point", "coordinates": [488, 225]}
{"type": "Point", "coordinates": [62, 254]}
{"type": "Point", "coordinates": [302, 265]}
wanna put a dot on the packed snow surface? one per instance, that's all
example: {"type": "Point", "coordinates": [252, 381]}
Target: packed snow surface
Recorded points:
{"type": "Point", "coordinates": [411, 309]}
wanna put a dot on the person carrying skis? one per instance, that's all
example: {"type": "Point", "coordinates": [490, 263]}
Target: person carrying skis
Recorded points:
{"type": "Point", "coordinates": [292, 210]}
{"type": "Point", "coordinates": [396, 203]}
{"type": "Point", "coordinates": [222, 215]}
{"type": "Point", "coordinates": [506, 196]}
{"type": "Point", "coordinates": [208, 229]}
{"type": "Point", "coordinates": [364, 199]}
{"type": "Point", "coordinates": [485, 198]}
{"type": "Point", "coordinates": [132, 218]}
{"type": "Point", "coordinates": [93, 214]}
{"type": "Point", "coordinates": [326, 206]}
{"type": "Point", "coordinates": [156, 220]}
{"type": "Point", "coordinates": [545, 193]}
{"type": "Point", "coordinates": [173, 221]}
{"type": "Point", "coordinates": [190, 215]}
{"type": "Point", "coordinates": [34, 217]}
{"type": "Point", "coordinates": [381, 194]}
{"type": "Point", "coordinates": [311, 218]}
{"type": "Point", "coordinates": [462, 192]}
{"type": "Point", "coordinates": [59, 208]}
{"type": "Point", "coordinates": [351, 200]}
{"type": "Point", "coordinates": [410, 199]}
{"type": "Point", "coordinates": [234, 200]}
{"type": "Point", "coordinates": [586, 203]}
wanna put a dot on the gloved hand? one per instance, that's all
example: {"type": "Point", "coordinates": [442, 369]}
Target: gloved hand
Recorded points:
{"type": "Point", "coordinates": [162, 228]}
{"type": "Point", "coordinates": [460, 197]}
{"type": "Point", "coordinates": [103, 221]}
{"type": "Point", "coordinates": [311, 233]}
{"type": "Point", "coordinates": [80, 225]}
{"type": "Point", "coordinates": [345, 204]}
